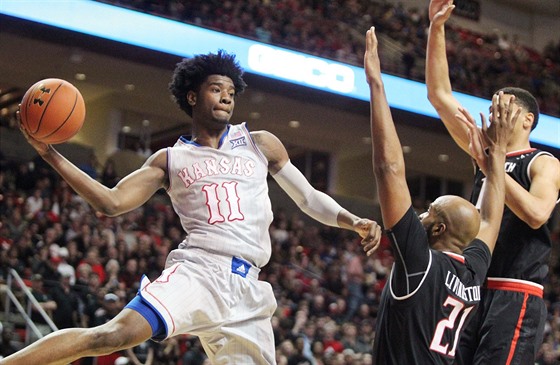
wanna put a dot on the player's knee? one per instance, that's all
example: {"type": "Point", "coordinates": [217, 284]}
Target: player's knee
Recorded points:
{"type": "Point", "coordinates": [109, 337]}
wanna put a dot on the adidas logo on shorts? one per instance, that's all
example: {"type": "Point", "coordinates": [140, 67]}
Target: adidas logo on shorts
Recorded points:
{"type": "Point", "coordinates": [240, 267]}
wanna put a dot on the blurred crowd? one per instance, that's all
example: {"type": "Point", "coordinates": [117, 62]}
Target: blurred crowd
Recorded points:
{"type": "Point", "coordinates": [480, 63]}
{"type": "Point", "coordinates": [83, 267]}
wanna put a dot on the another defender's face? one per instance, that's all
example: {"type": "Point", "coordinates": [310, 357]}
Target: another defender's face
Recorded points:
{"type": "Point", "coordinates": [519, 126]}
{"type": "Point", "coordinates": [215, 100]}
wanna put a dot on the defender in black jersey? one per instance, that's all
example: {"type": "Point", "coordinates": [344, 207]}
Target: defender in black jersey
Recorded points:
{"type": "Point", "coordinates": [429, 297]}
{"type": "Point", "coordinates": [442, 256]}
{"type": "Point", "coordinates": [508, 328]}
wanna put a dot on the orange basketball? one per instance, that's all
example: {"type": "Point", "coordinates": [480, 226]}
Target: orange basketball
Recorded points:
{"type": "Point", "coordinates": [52, 111]}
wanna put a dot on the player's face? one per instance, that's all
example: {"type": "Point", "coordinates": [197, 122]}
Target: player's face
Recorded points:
{"type": "Point", "coordinates": [216, 100]}
{"type": "Point", "coordinates": [518, 126]}
{"type": "Point", "coordinates": [426, 216]}
{"type": "Point", "coordinates": [428, 219]}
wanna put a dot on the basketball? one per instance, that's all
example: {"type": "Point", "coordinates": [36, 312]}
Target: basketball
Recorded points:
{"type": "Point", "coordinates": [52, 111]}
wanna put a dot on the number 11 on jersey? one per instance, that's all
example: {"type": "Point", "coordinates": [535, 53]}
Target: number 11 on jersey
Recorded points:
{"type": "Point", "coordinates": [213, 202]}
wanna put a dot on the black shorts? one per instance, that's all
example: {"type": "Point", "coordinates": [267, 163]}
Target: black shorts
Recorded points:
{"type": "Point", "coordinates": [507, 328]}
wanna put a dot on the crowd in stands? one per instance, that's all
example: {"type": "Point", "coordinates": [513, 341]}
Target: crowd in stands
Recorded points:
{"type": "Point", "coordinates": [83, 267]}
{"type": "Point", "coordinates": [480, 63]}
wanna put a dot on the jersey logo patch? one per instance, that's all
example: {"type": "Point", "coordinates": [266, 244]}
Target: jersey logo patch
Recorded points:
{"type": "Point", "coordinates": [236, 134]}
{"type": "Point", "coordinates": [238, 142]}
{"type": "Point", "coordinates": [240, 267]}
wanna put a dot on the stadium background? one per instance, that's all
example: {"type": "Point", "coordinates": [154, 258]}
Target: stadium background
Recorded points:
{"type": "Point", "coordinates": [330, 144]}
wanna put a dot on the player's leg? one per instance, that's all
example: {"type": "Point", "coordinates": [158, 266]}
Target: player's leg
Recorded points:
{"type": "Point", "coordinates": [513, 329]}
{"type": "Point", "coordinates": [529, 332]}
{"type": "Point", "coordinates": [126, 330]}
{"type": "Point", "coordinates": [247, 337]}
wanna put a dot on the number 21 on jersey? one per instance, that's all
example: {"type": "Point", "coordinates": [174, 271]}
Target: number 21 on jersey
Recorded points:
{"type": "Point", "coordinates": [458, 311]}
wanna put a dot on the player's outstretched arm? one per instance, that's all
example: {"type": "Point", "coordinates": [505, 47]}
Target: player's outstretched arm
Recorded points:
{"type": "Point", "coordinates": [314, 203]}
{"type": "Point", "coordinates": [497, 137]}
{"type": "Point", "coordinates": [388, 160]}
{"type": "Point", "coordinates": [437, 73]}
{"type": "Point", "coordinates": [533, 206]}
{"type": "Point", "coordinates": [131, 192]}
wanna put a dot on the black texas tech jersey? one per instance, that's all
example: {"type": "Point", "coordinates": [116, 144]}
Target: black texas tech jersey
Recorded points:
{"type": "Point", "coordinates": [521, 252]}
{"type": "Point", "coordinates": [423, 323]}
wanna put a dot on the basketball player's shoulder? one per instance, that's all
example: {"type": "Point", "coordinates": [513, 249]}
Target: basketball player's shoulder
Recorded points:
{"type": "Point", "coordinates": [544, 159]}
{"type": "Point", "coordinates": [264, 138]}
{"type": "Point", "coordinates": [158, 159]}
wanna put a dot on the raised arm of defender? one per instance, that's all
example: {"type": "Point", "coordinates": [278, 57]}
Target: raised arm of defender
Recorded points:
{"type": "Point", "coordinates": [535, 206]}
{"type": "Point", "coordinates": [388, 159]}
{"type": "Point", "coordinates": [437, 73]}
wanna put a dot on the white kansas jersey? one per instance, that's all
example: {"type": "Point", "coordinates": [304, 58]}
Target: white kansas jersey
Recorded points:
{"type": "Point", "coordinates": [221, 196]}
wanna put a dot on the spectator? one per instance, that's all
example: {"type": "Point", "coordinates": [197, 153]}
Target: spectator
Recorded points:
{"type": "Point", "coordinates": [130, 277]}
{"type": "Point", "coordinates": [90, 166]}
{"type": "Point", "coordinates": [66, 314]}
{"type": "Point", "coordinates": [168, 353]}
{"type": "Point", "coordinates": [351, 340]}
{"type": "Point", "coordinates": [297, 357]}
{"type": "Point", "coordinates": [109, 175]}
{"type": "Point", "coordinates": [112, 268]}
{"type": "Point", "coordinates": [142, 354]}
{"type": "Point", "coordinates": [64, 268]}
{"type": "Point", "coordinates": [46, 302]}
{"type": "Point", "coordinates": [7, 346]}
{"type": "Point", "coordinates": [195, 353]}
{"type": "Point", "coordinates": [92, 300]}
{"type": "Point", "coordinates": [33, 204]}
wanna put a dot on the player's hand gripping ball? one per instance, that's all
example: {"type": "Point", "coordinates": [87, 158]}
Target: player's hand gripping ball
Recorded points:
{"type": "Point", "coordinates": [52, 111]}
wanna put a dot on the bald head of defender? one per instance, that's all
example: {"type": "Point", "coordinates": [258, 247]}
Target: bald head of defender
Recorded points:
{"type": "Point", "coordinates": [451, 223]}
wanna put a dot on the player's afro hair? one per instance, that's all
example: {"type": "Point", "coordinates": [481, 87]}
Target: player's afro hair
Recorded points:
{"type": "Point", "coordinates": [524, 99]}
{"type": "Point", "coordinates": [190, 73]}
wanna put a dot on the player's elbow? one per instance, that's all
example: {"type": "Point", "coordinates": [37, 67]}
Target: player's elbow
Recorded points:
{"type": "Point", "coordinates": [537, 220]}
{"type": "Point", "coordinates": [110, 209]}
{"type": "Point", "coordinates": [436, 98]}
{"type": "Point", "coordinates": [109, 204]}
{"type": "Point", "coordinates": [537, 214]}
{"type": "Point", "coordinates": [383, 169]}
{"type": "Point", "coordinates": [108, 212]}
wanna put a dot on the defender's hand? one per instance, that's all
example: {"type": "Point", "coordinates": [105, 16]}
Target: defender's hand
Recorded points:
{"type": "Point", "coordinates": [440, 10]}
{"type": "Point", "coordinates": [372, 64]}
{"type": "Point", "coordinates": [477, 142]}
{"type": "Point", "coordinates": [505, 115]}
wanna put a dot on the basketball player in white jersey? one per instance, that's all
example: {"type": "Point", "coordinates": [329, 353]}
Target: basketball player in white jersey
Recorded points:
{"type": "Point", "coordinates": [217, 184]}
